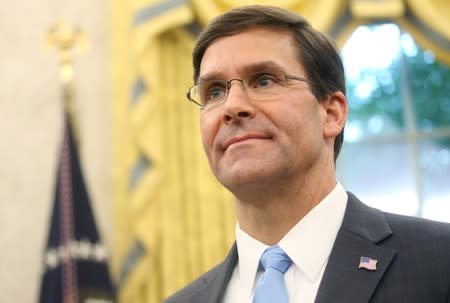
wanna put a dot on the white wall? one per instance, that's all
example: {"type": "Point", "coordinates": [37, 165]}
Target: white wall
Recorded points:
{"type": "Point", "coordinates": [30, 131]}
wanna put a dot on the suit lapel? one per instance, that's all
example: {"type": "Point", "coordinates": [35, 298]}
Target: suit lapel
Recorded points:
{"type": "Point", "coordinates": [362, 229]}
{"type": "Point", "coordinates": [217, 285]}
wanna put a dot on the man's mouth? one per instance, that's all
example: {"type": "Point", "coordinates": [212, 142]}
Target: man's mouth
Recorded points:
{"type": "Point", "coordinates": [243, 138]}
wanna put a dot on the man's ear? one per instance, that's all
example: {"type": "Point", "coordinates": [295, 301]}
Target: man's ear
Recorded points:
{"type": "Point", "coordinates": [336, 110]}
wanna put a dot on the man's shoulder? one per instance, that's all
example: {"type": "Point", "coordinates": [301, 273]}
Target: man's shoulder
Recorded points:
{"type": "Point", "coordinates": [195, 291]}
{"type": "Point", "coordinates": [419, 229]}
{"type": "Point", "coordinates": [399, 230]}
{"type": "Point", "coordinates": [398, 222]}
{"type": "Point", "coordinates": [209, 285]}
{"type": "Point", "coordinates": [422, 250]}
{"type": "Point", "coordinates": [192, 290]}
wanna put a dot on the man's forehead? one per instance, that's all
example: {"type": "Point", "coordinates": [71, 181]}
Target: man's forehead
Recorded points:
{"type": "Point", "coordinates": [247, 68]}
{"type": "Point", "coordinates": [254, 48]}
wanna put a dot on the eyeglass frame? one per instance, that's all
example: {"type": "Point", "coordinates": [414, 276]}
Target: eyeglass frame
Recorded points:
{"type": "Point", "coordinates": [228, 86]}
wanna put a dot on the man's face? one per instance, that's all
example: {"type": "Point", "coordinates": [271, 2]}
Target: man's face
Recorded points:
{"type": "Point", "coordinates": [260, 143]}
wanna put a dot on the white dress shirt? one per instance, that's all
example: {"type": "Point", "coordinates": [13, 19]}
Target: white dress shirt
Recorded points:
{"type": "Point", "coordinates": [308, 244]}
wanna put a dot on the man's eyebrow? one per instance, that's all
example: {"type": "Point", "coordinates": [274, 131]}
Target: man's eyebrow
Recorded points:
{"type": "Point", "coordinates": [263, 66]}
{"type": "Point", "coordinates": [209, 76]}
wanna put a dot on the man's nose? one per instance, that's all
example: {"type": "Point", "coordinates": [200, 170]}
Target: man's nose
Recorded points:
{"type": "Point", "coordinates": [237, 105]}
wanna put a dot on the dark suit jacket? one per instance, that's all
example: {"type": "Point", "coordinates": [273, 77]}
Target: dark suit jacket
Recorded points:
{"type": "Point", "coordinates": [413, 262]}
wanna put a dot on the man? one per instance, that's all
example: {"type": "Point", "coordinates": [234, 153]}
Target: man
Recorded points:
{"type": "Point", "coordinates": [272, 95]}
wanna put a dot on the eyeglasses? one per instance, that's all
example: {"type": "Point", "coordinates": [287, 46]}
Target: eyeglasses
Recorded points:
{"type": "Point", "coordinates": [260, 86]}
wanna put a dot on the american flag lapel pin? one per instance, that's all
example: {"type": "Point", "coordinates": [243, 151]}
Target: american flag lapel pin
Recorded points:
{"type": "Point", "coordinates": [368, 263]}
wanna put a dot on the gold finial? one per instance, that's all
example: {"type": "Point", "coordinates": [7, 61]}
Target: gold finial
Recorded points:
{"type": "Point", "coordinates": [65, 38]}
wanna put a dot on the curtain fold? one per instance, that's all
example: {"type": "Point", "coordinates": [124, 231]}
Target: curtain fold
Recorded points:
{"type": "Point", "coordinates": [321, 13]}
{"type": "Point", "coordinates": [435, 14]}
{"type": "Point", "coordinates": [427, 21]}
{"type": "Point", "coordinates": [175, 221]}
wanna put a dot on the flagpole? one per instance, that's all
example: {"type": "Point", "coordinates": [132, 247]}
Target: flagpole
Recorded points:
{"type": "Point", "coordinates": [65, 39]}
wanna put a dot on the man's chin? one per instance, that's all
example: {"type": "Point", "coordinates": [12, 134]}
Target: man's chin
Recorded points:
{"type": "Point", "coordinates": [242, 180]}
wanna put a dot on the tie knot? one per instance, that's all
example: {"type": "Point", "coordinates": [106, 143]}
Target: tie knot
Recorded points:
{"type": "Point", "coordinates": [274, 257]}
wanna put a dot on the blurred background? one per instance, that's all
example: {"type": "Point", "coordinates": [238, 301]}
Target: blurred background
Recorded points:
{"type": "Point", "coordinates": [156, 207]}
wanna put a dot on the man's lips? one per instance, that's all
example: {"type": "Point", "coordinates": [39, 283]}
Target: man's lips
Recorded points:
{"type": "Point", "coordinates": [237, 139]}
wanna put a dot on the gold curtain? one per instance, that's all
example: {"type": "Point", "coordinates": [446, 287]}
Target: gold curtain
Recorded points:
{"type": "Point", "coordinates": [173, 221]}
{"type": "Point", "coordinates": [172, 218]}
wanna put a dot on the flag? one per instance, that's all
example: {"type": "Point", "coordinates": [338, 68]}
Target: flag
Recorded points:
{"type": "Point", "coordinates": [75, 261]}
{"type": "Point", "coordinates": [368, 263]}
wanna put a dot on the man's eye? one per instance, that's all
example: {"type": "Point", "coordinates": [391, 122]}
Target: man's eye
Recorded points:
{"type": "Point", "coordinates": [216, 92]}
{"type": "Point", "coordinates": [264, 80]}
{"type": "Point", "coordinates": [213, 93]}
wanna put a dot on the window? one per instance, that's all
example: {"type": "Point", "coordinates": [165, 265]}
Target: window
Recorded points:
{"type": "Point", "coordinates": [396, 155]}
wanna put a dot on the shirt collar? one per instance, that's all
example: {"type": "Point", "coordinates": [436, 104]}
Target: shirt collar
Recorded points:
{"type": "Point", "coordinates": [250, 251]}
{"type": "Point", "coordinates": [308, 243]}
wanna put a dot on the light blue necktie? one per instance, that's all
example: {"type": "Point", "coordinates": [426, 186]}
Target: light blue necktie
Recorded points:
{"type": "Point", "coordinates": [271, 287]}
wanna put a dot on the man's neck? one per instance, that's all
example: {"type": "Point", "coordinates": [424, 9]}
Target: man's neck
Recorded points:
{"type": "Point", "coordinates": [272, 213]}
